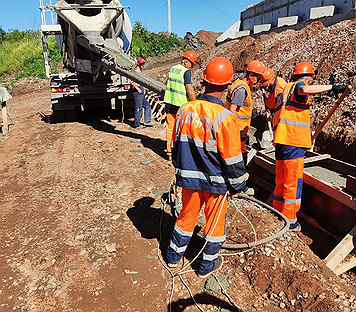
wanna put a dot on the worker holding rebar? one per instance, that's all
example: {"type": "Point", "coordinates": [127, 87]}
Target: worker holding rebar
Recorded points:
{"type": "Point", "coordinates": [209, 164]}
{"type": "Point", "coordinates": [292, 137]}
{"type": "Point", "coordinates": [179, 91]}
{"type": "Point", "coordinates": [240, 99]}
{"type": "Point", "coordinates": [142, 106]}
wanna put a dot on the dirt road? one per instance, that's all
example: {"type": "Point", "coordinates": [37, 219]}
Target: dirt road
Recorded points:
{"type": "Point", "coordinates": [79, 208]}
{"type": "Point", "coordinates": [71, 198]}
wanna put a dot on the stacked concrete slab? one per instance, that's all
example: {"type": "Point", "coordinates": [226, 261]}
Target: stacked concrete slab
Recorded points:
{"type": "Point", "coordinates": [287, 21]}
{"type": "Point", "coordinates": [323, 11]}
{"type": "Point", "coordinates": [261, 28]}
{"type": "Point", "coordinates": [233, 33]}
{"type": "Point", "coordinates": [269, 11]}
{"type": "Point", "coordinates": [279, 13]}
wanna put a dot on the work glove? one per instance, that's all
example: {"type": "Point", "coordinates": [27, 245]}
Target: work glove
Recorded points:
{"type": "Point", "coordinates": [339, 88]}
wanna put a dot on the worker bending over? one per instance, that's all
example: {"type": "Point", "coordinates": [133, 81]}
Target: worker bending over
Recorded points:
{"type": "Point", "coordinates": [273, 87]}
{"type": "Point", "coordinates": [208, 161]}
{"type": "Point", "coordinates": [292, 137]}
{"type": "Point", "coordinates": [179, 91]}
{"type": "Point", "coordinates": [240, 99]}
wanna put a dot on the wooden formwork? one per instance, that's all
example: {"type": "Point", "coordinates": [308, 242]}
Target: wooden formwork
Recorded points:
{"type": "Point", "coordinates": [336, 215]}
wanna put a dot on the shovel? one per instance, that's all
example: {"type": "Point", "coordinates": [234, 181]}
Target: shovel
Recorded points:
{"type": "Point", "coordinates": [267, 137]}
{"type": "Point", "coordinates": [331, 112]}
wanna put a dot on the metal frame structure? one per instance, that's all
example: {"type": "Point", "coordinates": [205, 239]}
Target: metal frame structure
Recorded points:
{"type": "Point", "coordinates": [48, 29]}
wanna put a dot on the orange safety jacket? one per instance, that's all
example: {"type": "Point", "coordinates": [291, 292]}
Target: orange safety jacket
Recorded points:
{"type": "Point", "coordinates": [207, 153]}
{"type": "Point", "coordinates": [292, 122]}
{"type": "Point", "coordinates": [245, 112]}
{"type": "Point", "coordinates": [277, 90]}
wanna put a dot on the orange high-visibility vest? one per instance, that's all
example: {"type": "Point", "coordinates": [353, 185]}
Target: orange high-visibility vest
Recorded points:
{"type": "Point", "coordinates": [277, 90]}
{"type": "Point", "coordinates": [245, 113]}
{"type": "Point", "coordinates": [292, 123]}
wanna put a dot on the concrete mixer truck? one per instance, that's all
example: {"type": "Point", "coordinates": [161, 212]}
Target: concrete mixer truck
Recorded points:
{"type": "Point", "coordinates": [95, 38]}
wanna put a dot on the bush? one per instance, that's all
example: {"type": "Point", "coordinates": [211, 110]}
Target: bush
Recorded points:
{"type": "Point", "coordinates": [21, 54]}
{"type": "Point", "coordinates": [146, 43]}
{"type": "Point", "coordinates": [21, 51]}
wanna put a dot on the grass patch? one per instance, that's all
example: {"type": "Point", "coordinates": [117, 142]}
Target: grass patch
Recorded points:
{"type": "Point", "coordinates": [21, 55]}
{"type": "Point", "coordinates": [21, 51]}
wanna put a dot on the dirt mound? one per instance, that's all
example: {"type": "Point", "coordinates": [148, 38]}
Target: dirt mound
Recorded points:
{"type": "Point", "coordinates": [330, 49]}
{"type": "Point", "coordinates": [207, 37]}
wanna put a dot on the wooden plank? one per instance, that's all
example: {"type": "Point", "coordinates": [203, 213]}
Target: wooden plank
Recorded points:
{"type": "Point", "coordinates": [346, 266]}
{"type": "Point", "coordinates": [5, 123]}
{"type": "Point", "coordinates": [319, 185]}
{"type": "Point", "coordinates": [340, 252]}
{"type": "Point", "coordinates": [315, 224]}
{"type": "Point", "coordinates": [351, 184]}
{"type": "Point", "coordinates": [330, 190]}
{"type": "Point", "coordinates": [316, 158]}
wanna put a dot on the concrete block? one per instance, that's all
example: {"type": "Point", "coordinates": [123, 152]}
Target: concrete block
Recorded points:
{"type": "Point", "coordinates": [323, 11]}
{"type": "Point", "coordinates": [243, 33]}
{"type": "Point", "coordinates": [261, 28]}
{"type": "Point", "coordinates": [287, 21]}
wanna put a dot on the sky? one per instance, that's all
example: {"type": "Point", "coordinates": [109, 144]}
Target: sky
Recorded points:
{"type": "Point", "coordinates": [188, 15]}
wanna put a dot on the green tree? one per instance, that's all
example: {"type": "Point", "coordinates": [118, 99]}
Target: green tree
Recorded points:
{"type": "Point", "coordinates": [146, 43]}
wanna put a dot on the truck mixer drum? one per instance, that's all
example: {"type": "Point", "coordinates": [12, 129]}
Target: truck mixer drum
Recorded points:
{"type": "Point", "coordinates": [97, 39]}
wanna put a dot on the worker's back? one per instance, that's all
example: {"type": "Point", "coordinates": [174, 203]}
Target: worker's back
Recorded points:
{"type": "Point", "coordinates": [205, 145]}
{"type": "Point", "coordinates": [175, 90]}
{"type": "Point", "coordinates": [292, 123]}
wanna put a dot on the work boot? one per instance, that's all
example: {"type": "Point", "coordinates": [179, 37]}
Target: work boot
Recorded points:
{"type": "Point", "coordinates": [295, 227]}
{"type": "Point", "coordinates": [174, 265]}
{"type": "Point", "coordinates": [250, 192]}
{"type": "Point", "coordinates": [218, 263]}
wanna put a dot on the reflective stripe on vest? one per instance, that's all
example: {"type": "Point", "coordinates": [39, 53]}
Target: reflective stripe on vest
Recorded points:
{"type": "Point", "coordinates": [175, 91]}
{"type": "Point", "coordinates": [292, 123]}
{"type": "Point", "coordinates": [245, 112]}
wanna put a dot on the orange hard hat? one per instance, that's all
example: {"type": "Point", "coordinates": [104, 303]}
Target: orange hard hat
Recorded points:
{"type": "Point", "coordinates": [256, 67]}
{"type": "Point", "coordinates": [219, 72]}
{"type": "Point", "coordinates": [141, 61]}
{"type": "Point", "coordinates": [191, 56]}
{"type": "Point", "coordinates": [268, 74]}
{"type": "Point", "coordinates": [304, 69]}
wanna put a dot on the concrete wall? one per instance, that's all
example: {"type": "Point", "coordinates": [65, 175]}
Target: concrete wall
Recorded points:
{"type": "Point", "coordinates": [268, 11]}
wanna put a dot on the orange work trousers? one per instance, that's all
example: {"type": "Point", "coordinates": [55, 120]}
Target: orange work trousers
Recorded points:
{"type": "Point", "coordinates": [215, 209]}
{"type": "Point", "coordinates": [170, 119]}
{"type": "Point", "coordinates": [289, 185]}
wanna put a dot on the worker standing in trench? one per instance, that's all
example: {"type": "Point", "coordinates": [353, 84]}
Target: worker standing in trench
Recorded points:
{"type": "Point", "coordinates": [141, 103]}
{"type": "Point", "coordinates": [208, 161]}
{"type": "Point", "coordinates": [240, 99]}
{"type": "Point", "coordinates": [179, 91]}
{"type": "Point", "coordinates": [292, 137]}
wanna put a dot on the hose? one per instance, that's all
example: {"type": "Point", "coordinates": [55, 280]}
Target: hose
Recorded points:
{"type": "Point", "coordinates": [266, 240]}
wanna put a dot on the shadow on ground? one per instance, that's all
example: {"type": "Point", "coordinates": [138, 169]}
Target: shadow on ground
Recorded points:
{"type": "Point", "coordinates": [152, 223]}
{"type": "Point", "coordinates": [101, 123]}
{"type": "Point", "coordinates": [203, 298]}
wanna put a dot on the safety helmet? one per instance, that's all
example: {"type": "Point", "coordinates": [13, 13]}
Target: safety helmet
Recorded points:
{"type": "Point", "coordinates": [268, 75]}
{"type": "Point", "coordinates": [255, 67]}
{"type": "Point", "coordinates": [304, 69]}
{"type": "Point", "coordinates": [219, 71]}
{"type": "Point", "coordinates": [141, 61]}
{"type": "Point", "coordinates": [191, 56]}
